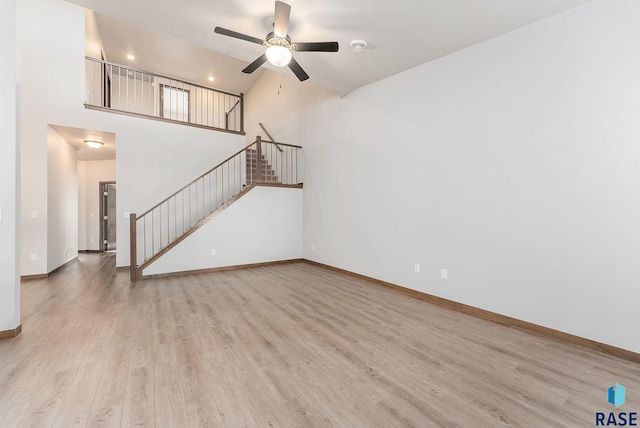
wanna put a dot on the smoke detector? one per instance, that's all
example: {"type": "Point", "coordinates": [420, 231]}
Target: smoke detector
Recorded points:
{"type": "Point", "coordinates": [358, 45]}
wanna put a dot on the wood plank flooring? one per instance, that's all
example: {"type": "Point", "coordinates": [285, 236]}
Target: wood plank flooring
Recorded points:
{"type": "Point", "coordinates": [282, 346]}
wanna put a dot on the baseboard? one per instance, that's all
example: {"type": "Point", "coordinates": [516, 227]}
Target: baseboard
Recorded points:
{"type": "Point", "coordinates": [34, 277]}
{"type": "Point", "coordinates": [220, 269]}
{"type": "Point", "coordinates": [47, 275]}
{"type": "Point", "coordinates": [89, 251]}
{"type": "Point", "coordinates": [7, 334]}
{"type": "Point", "coordinates": [59, 268]}
{"type": "Point", "coordinates": [498, 318]}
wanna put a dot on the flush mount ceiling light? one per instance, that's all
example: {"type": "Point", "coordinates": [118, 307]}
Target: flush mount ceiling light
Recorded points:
{"type": "Point", "coordinates": [211, 79]}
{"type": "Point", "coordinates": [358, 45]}
{"type": "Point", "coordinates": [131, 56]}
{"type": "Point", "coordinates": [93, 144]}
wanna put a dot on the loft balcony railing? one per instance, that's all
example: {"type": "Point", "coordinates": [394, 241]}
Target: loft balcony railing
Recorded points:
{"type": "Point", "coordinates": [125, 90]}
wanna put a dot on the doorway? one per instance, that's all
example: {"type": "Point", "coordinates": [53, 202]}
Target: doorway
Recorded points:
{"type": "Point", "coordinates": [107, 216]}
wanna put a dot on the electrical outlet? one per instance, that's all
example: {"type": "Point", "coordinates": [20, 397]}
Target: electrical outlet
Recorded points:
{"type": "Point", "coordinates": [313, 247]}
{"type": "Point", "coordinates": [214, 252]}
{"type": "Point", "coordinates": [444, 273]}
{"type": "Point", "coordinates": [34, 257]}
{"type": "Point", "coordinates": [91, 239]}
{"type": "Point", "coordinates": [416, 268]}
{"type": "Point", "coordinates": [34, 214]}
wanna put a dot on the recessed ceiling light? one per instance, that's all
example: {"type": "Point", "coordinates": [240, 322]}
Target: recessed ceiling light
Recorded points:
{"type": "Point", "coordinates": [210, 78]}
{"type": "Point", "coordinates": [131, 56]}
{"type": "Point", "coordinates": [93, 144]}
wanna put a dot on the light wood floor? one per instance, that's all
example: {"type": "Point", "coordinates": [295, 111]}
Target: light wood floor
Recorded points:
{"type": "Point", "coordinates": [288, 345]}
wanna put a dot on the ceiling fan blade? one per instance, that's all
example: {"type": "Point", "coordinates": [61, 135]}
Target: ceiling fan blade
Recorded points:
{"type": "Point", "coordinates": [316, 47]}
{"type": "Point", "coordinates": [237, 35]}
{"type": "Point", "coordinates": [281, 19]}
{"type": "Point", "coordinates": [297, 70]}
{"type": "Point", "coordinates": [255, 64]}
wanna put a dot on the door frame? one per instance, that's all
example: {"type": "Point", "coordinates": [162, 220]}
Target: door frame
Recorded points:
{"type": "Point", "coordinates": [101, 190]}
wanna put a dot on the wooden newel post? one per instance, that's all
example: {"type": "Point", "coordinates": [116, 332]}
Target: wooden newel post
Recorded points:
{"type": "Point", "coordinates": [133, 250]}
{"type": "Point", "coordinates": [241, 112]}
{"type": "Point", "coordinates": [259, 158]}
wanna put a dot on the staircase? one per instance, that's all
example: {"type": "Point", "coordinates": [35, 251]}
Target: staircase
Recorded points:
{"type": "Point", "coordinates": [259, 168]}
{"type": "Point", "coordinates": [159, 229]}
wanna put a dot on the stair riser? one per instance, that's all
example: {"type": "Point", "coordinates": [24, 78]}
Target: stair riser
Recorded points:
{"type": "Point", "coordinates": [264, 171]}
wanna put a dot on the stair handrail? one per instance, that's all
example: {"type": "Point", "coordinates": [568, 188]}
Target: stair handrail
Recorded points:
{"type": "Point", "coordinates": [198, 178]}
{"type": "Point", "coordinates": [264, 167]}
{"type": "Point", "coordinates": [270, 137]}
{"type": "Point", "coordinates": [227, 114]}
{"type": "Point", "coordinates": [215, 167]}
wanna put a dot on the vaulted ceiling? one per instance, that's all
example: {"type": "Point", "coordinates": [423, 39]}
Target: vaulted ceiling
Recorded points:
{"type": "Point", "coordinates": [400, 34]}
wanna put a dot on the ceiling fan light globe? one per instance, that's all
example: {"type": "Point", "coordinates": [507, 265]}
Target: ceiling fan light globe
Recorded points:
{"type": "Point", "coordinates": [278, 55]}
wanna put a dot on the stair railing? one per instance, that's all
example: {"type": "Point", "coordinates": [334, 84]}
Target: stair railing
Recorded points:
{"type": "Point", "coordinates": [168, 222]}
{"type": "Point", "coordinates": [122, 89]}
{"type": "Point", "coordinates": [269, 135]}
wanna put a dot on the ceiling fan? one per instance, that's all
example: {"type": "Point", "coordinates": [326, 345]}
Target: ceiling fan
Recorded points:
{"type": "Point", "coordinates": [279, 46]}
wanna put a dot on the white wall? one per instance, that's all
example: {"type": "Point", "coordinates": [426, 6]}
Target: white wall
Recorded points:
{"type": "Point", "coordinates": [152, 162]}
{"type": "Point", "coordinates": [62, 201]}
{"type": "Point", "coordinates": [513, 164]}
{"type": "Point", "coordinates": [46, 98]}
{"type": "Point", "coordinates": [90, 174]}
{"type": "Point", "coordinates": [264, 225]}
{"type": "Point", "coordinates": [153, 158]}
{"type": "Point", "coordinates": [94, 45]}
{"type": "Point", "coordinates": [9, 172]}
{"type": "Point", "coordinates": [94, 48]}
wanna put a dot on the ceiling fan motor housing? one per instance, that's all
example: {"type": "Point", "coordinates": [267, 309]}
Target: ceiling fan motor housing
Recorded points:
{"type": "Point", "coordinates": [273, 40]}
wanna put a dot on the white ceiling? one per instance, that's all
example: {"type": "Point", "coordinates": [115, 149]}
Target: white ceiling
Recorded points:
{"type": "Point", "coordinates": [400, 34]}
{"type": "Point", "coordinates": [164, 54]}
{"type": "Point", "coordinates": [76, 137]}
